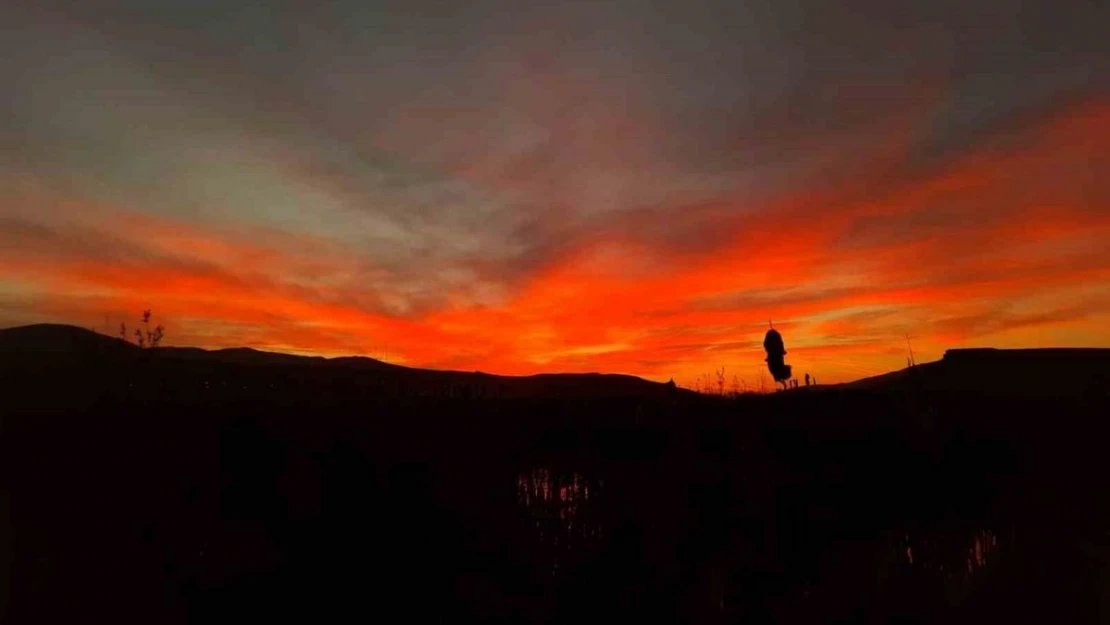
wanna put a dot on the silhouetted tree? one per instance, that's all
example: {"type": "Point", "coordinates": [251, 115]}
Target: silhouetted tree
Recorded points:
{"type": "Point", "coordinates": [776, 356]}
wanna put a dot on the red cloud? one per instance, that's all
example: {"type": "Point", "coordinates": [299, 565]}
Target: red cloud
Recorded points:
{"type": "Point", "coordinates": [1004, 244]}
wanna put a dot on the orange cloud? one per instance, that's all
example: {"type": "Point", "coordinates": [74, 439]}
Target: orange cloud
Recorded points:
{"type": "Point", "coordinates": [1004, 245]}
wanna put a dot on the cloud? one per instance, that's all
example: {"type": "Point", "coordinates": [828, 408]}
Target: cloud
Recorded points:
{"type": "Point", "coordinates": [634, 187]}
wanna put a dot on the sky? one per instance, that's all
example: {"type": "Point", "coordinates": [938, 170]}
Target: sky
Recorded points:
{"type": "Point", "coordinates": [515, 187]}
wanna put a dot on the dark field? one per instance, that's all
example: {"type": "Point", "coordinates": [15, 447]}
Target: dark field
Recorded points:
{"type": "Point", "coordinates": [911, 500]}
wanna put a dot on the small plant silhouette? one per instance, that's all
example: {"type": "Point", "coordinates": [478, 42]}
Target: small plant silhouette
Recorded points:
{"type": "Point", "coordinates": [144, 336]}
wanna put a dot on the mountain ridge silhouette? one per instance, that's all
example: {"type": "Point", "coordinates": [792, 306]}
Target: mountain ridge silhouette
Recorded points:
{"type": "Point", "coordinates": [32, 355]}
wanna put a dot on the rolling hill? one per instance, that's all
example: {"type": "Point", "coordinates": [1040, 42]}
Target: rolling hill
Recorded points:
{"type": "Point", "coordinates": [37, 360]}
{"type": "Point", "coordinates": [48, 367]}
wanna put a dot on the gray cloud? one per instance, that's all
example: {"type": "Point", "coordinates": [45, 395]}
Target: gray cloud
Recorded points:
{"type": "Point", "coordinates": [491, 136]}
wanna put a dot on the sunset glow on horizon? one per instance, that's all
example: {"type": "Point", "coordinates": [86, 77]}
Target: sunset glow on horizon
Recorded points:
{"type": "Point", "coordinates": [634, 188]}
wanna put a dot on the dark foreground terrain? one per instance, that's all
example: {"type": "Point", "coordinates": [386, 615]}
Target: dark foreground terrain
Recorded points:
{"type": "Point", "coordinates": [166, 486]}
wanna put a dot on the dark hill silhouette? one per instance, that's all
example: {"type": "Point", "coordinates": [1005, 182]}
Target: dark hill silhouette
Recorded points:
{"type": "Point", "coordinates": [51, 338]}
{"type": "Point", "coordinates": [35, 360]}
{"type": "Point", "coordinates": [1047, 372]}
{"type": "Point", "coordinates": [50, 367]}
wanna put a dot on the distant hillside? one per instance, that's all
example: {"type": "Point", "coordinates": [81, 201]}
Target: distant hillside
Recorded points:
{"type": "Point", "coordinates": [46, 366]}
{"type": "Point", "coordinates": [57, 339]}
{"type": "Point", "coordinates": [50, 367]}
{"type": "Point", "coordinates": [1064, 372]}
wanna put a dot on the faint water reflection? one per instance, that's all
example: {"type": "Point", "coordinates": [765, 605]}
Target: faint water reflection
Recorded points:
{"type": "Point", "coordinates": [561, 508]}
{"type": "Point", "coordinates": [953, 561]}
{"type": "Point", "coordinates": [954, 552]}
{"type": "Point", "coordinates": [561, 524]}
